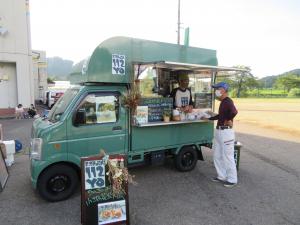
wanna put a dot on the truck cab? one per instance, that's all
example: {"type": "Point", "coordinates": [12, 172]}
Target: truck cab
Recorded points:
{"type": "Point", "coordinates": [94, 115]}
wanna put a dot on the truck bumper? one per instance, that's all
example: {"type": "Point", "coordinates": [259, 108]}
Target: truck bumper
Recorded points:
{"type": "Point", "coordinates": [36, 167]}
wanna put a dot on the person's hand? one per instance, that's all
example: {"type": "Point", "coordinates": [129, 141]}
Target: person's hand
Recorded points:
{"type": "Point", "coordinates": [184, 109]}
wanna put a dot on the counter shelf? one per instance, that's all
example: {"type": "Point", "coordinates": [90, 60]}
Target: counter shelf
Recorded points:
{"type": "Point", "coordinates": [162, 123]}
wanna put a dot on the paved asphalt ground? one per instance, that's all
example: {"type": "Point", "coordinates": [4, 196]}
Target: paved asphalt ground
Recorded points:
{"type": "Point", "coordinates": [268, 191]}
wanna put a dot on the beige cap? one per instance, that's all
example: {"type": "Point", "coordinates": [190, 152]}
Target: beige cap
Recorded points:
{"type": "Point", "coordinates": [183, 76]}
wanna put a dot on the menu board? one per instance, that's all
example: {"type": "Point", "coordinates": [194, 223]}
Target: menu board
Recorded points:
{"type": "Point", "coordinates": [3, 172]}
{"type": "Point", "coordinates": [141, 114]}
{"type": "Point", "coordinates": [157, 107]}
{"type": "Point", "coordinates": [203, 100]}
{"type": "Point", "coordinates": [99, 204]}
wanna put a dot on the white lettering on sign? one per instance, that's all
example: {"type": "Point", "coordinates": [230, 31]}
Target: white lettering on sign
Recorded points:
{"type": "Point", "coordinates": [118, 64]}
{"type": "Point", "coordinates": [94, 174]}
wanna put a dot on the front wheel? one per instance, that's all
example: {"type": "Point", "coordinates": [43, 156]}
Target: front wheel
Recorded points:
{"type": "Point", "coordinates": [186, 159]}
{"type": "Point", "coordinates": [57, 183]}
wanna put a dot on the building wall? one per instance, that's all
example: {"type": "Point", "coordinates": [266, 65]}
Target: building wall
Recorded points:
{"type": "Point", "coordinates": [40, 75]}
{"type": "Point", "coordinates": [15, 54]}
{"type": "Point", "coordinates": [8, 89]}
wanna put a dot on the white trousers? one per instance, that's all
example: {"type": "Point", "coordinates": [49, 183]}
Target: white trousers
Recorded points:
{"type": "Point", "coordinates": [223, 146]}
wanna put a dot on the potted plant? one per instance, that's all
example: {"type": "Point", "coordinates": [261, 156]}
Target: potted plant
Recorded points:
{"type": "Point", "coordinates": [167, 116]}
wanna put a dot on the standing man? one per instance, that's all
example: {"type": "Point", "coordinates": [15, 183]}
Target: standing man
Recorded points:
{"type": "Point", "coordinates": [224, 138]}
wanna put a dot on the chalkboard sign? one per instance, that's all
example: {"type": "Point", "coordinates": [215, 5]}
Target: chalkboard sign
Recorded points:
{"type": "Point", "coordinates": [99, 204]}
{"type": "Point", "coordinates": [157, 107]}
{"type": "Point", "coordinates": [1, 133]}
{"type": "Point", "coordinates": [203, 100]}
{"type": "Point", "coordinates": [3, 171]}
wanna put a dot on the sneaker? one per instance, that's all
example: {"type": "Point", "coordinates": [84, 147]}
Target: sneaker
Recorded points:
{"type": "Point", "coordinates": [215, 179]}
{"type": "Point", "coordinates": [229, 184]}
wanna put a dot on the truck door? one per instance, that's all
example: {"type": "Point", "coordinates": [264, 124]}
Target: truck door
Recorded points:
{"type": "Point", "coordinates": [97, 122]}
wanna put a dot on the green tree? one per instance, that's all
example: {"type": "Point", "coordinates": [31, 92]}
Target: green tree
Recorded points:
{"type": "Point", "coordinates": [50, 80]}
{"type": "Point", "coordinates": [287, 82]}
{"type": "Point", "coordinates": [240, 82]}
{"type": "Point", "coordinates": [294, 92]}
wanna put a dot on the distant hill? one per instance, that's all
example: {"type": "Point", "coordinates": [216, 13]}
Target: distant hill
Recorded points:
{"type": "Point", "coordinates": [268, 81]}
{"type": "Point", "coordinates": [59, 68]}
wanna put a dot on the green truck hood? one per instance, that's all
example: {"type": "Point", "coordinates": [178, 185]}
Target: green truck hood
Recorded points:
{"type": "Point", "coordinates": [38, 126]}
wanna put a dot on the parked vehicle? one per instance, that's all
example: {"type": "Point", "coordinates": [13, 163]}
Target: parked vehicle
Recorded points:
{"type": "Point", "coordinates": [94, 115]}
{"type": "Point", "coordinates": [51, 97]}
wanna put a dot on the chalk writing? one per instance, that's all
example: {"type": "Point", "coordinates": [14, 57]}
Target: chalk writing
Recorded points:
{"type": "Point", "coordinates": [157, 107]}
{"type": "Point", "coordinates": [102, 195]}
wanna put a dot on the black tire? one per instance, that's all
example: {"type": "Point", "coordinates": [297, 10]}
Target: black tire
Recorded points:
{"type": "Point", "coordinates": [57, 183]}
{"type": "Point", "coordinates": [186, 159]}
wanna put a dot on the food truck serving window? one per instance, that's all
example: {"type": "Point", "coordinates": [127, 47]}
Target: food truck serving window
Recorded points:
{"type": "Point", "coordinates": [174, 92]}
{"type": "Point", "coordinates": [200, 85]}
{"type": "Point", "coordinates": [148, 83]}
{"type": "Point", "coordinates": [159, 82]}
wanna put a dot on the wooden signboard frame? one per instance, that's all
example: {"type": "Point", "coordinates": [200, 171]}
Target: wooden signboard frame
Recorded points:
{"type": "Point", "coordinates": [3, 172]}
{"type": "Point", "coordinates": [1, 132]}
{"type": "Point", "coordinates": [90, 209]}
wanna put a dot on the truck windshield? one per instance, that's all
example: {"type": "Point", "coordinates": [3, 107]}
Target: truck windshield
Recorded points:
{"type": "Point", "coordinates": [61, 105]}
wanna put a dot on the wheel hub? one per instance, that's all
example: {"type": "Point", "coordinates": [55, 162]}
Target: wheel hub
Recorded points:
{"type": "Point", "coordinates": [187, 159]}
{"type": "Point", "coordinates": [58, 183]}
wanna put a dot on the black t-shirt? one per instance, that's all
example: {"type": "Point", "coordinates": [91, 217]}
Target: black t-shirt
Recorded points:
{"type": "Point", "coordinates": [227, 111]}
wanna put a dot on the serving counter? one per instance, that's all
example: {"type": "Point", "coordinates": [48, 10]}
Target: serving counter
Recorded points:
{"type": "Point", "coordinates": [162, 123]}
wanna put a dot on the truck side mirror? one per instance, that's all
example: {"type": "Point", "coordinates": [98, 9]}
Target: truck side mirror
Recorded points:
{"type": "Point", "coordinates": [80, 117]}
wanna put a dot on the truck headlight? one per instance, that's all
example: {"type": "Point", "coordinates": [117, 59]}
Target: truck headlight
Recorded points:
{"type": "Point", "coordinates": [36, 148]}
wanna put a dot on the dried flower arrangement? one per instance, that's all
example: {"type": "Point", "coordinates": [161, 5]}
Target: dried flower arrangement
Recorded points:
{"type": "Point", "coordinates": [118, 175]}
{"type": "Point", "coordinates": [132, 99]}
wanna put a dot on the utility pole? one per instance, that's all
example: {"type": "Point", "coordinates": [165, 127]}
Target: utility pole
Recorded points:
{"type": "Point", "coordinates": [178, 24]}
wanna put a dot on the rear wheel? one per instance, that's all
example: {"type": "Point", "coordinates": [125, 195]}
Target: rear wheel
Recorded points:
{"type": "Point", "coordinates": [57, 183]}
{"type": "Point", "coordinates": [186, 159]}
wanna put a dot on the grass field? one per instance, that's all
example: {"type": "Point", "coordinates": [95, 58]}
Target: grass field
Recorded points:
{"type": "Point", "coordinates": [268, 91]}
{"type": "Point", "coordinates": [280, 113]}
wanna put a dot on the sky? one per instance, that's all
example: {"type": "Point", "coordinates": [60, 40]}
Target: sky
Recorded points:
{"type": "Point", "coordinates": [264, 35]}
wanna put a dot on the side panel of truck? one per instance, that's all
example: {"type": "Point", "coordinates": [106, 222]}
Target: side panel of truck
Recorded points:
{"type": "Point", "coordinates": [170, 136]}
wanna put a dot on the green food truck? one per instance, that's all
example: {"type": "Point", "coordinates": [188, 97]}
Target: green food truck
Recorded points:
{"type": "Point", "coordinates": [119, 106]}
